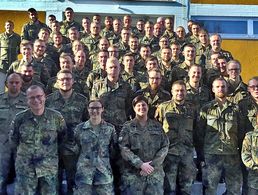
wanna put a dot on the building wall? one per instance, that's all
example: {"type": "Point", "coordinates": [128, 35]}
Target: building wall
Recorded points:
{"type": "Point", "coordinates": [243, 2]}
{"type": "Point", "coordinates": [246, 52]}
{"type": "Point", "coordinates": [19, 18]}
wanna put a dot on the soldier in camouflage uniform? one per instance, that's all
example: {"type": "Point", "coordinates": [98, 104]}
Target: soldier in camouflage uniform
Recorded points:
{"type": "Point", "coordinates": [123, 45]}
{"type": "Point", "coordinates": [31, 29]}
{"type": "Point", "coordinates": [149, 38]}
{"type": "Point", "coordinates": [180, 72]}
{"type": "Point", "coordinates": [36, 134]}
{"type": "Point", "coordinates": [130, 75]}
{"type": "Point", "coordinates": [154, 93]}
{"type": "Point", "coordinates": [197, 93]}
{"type": "Point", "coordinates": [115, 93]}
{"type": "Point", "coordinates": [72, 106]}
{"type": "Point", "coordinates": [178, 119]}
{"type": "Point", "coordinates": [143, 146]}
{"type": "Point", "coordinates": [194, 38]}
{"type": "Point", "coordinates": [40, 69]}
{"type": "Point", "coordinates": [69, 22]}
{"type": "Point", "coordinates": [250, 158]}
{"type": "Point", "coordinates": [92, 40]}
{"type": "Point", "coordinates": [215, 47]}
{"type": "Point", "coordinates": [107, 31]}
{"type": "Point", "coordinates": [169, 32]}
{"type": "Point", "coordinates": [96, 140]}
{"type": "Point", "coordinates": [248, 108]}
{"type": "Point", "coordinates": [11, 103]}
{"type": "Point", "coordinates": [237, 89]}
{"type": "Point", "coordinates": [9, 46]}
{"type": "Point", "coordinates": [217, 139]}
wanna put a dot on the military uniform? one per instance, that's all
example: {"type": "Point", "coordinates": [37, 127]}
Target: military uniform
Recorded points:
{"type": "Point", "coordinates": [201, 54]}
{"type": "Point", "coordinates": [250, 159]}
{"type": "Point", "coordinates": [79, 86]}
{"type": "Point", "coordinates": [153, 42]}
{"type": "Point", "coordinates": [237, 93]}
{"type": "Point", "coordinates": [96, 148]}
{"type": "Point", "coordinates": [65, 26]}
{"type": "Point", "coordinates": [248, 108]}
{"type": "Point", "coordinates": [132, 79]}
{"type": "Point", "coordinates": [106, 33]}
{"type": "Point", "coordinates": [197, 97]}
{"type": "Point", "coordinates": [91, 43]}
{"type": "Point", "coordinates": [26, 85]}
{"type": "Point", "coordinates": [116, 100]}
{"type": "Point", "coordinates": [74, 112]}
{"type": "Point", "coordinates": [94, 76]}
{"type": "Point", "coordinates": [36, 140]}
{"type": "Point", "coordinates": [180, 72]}
{"type": "Point", "coordinates": [222, 52]}
{"type": "Point", "coordinates": [138, 145]}
{"type": "Point", "coordinates": [154, 100]}
{"type": "Point", "coordinates": [217, 138]}
{"type": "Point", "coordinates": [171, 35]}
{"type": "Point", "coordinates": [40, 70]}
{"type": "Point", "coordinates": [123, 47]}
{"type": "Point", "coordinates": [9, 49]}
{"type": "Point", "coordinates": [9, 107]}
{"type": "Point", "coordinates": [30, 30]}
{"type": "Point", "coordinates": [179, 124]}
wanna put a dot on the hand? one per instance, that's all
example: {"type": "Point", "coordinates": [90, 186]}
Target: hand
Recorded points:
{"type": "Point", "coordinates": [146, 168]}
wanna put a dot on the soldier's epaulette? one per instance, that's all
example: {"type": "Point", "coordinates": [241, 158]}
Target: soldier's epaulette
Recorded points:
{"type": "Point", "coordinates": [108, 124]}
{"type": "Point", "coordinates": [79, 95]}
{"type": "Point", "coordinates": [52, 110]}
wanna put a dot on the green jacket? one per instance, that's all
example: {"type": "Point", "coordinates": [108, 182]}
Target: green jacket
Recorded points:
{"type": "Point", "coordinates": [96, 147]}
{"type": "Point", "coordinates": [142, 144]}
{"type": "Point", "coordinates": [117, 100]}
{"type": "Point", "coordinates": [36, 140]}
{"type": "Point", "coordinates": [179, 124]}
{"type": "Point", "coordinates": [218, 129]}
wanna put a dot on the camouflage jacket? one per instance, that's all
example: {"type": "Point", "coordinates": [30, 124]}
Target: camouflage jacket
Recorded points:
{"type": "Point", "coordinates": [36, 140]}
{"type": "Point", "coordinates": [74, 109]}
{"type": "Point", "coordinates": [154, 101]}
{"type": "Point", "coordinates": [117, 100]}
{"type": "Point", "coordinates": [238, 93]}
{"type": "Point", "coordinates": [40, 70]}
{"type": "Point", "coordinates": [197, 97]}
{"type": "Point", "coordinates": [30, 30]}
{"type": "Point", "coordinates": [250, 150]}
{"type": "Point", "coordinates": [9, 48]}
{"type": "Point", "coordinates": [179, 123]}
{"type": "Point", "coordinates": [96, 147]}
{"type": "Point", "coordinates": [142, 144]}
{"type": "Point", "coordinates": [91, 43]}
{"type": "Point", "coordinates": [9, 107]}
{"type": "Point", "coordinates": [132, 79]}
{"type": "Point", "coordinates": [152, 42]}
{"type": "Point", "coordinates": [65, 25]}
{"type": "Point", "coordinates": [218, 129]}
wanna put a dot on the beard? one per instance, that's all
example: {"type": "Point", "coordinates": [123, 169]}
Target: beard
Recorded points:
{"type": "Point", "coordinates": [26, 79]}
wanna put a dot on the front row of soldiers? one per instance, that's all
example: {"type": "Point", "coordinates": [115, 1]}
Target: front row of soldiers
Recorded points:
{"type": "Point", "coordinates": [153, 156]}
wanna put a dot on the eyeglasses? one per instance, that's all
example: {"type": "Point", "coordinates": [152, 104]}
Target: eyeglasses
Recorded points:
{"type": "Point", "coordinates": [38, 97]}
{"type": "Point", "coordinates": [67, 79]}
{"type": "Point", "coordinates": [95, 108]}
{"type": "Point", "coordinates": [253, 87]}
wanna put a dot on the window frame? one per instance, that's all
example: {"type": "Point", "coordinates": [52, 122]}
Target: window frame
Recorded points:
{"type": "Point", "coordinates": [250, 25]}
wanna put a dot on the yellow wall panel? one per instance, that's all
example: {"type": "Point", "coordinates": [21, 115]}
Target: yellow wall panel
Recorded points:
{"type": "Point", "coordinates": [243, 2]}
{"type": "Point", "coordinates": [246, 51]}
{"type": "Point", "coordinates": [19, 18]}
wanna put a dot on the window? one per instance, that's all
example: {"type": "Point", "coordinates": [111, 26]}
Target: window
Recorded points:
{"type": "Point", "coordinates": [230, 27]}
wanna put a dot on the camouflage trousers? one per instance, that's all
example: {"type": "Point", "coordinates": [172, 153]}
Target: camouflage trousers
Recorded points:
{"type": "Point", "coordinates": [139, 185]}
{"type": "Point", "coordinates": [215, 164]}
{"type": "Point", "coordinates": [253, 179]}
{"type": "Point", "coordinates": [46, 185]}
{"type": "Point", "coordinates": [5, 166]}
{"type": "Point", "coordinates": [181, 169]}
{"type": "Point", "coordinates": [101, 189]}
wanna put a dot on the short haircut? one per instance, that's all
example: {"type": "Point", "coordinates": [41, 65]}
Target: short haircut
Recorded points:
{"type": "Point", "coordinates": [32, 10]}
{"type": "Point", "coordinates": [65, 71]}
{"type": "Point", "coordinates": [253, 78]}
{"type": "Point", "coordinates": [25, 43]}
{"type": "Point", "coordinates": [234, 61]}
{"type": "Point", "coordinates": [157, 70]}
{"type": "Point", "coordinates": [178, 82]}
{"type": "Point", "coordinates": [68, 9]}
{"type": "Point", "coordinates": [96, 100]}
{"type": "Point", "coordinates": [138, 99]}
{"type": "Point", "coordinates": [33, 87]}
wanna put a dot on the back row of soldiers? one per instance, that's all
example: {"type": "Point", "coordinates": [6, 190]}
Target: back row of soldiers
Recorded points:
{"type": "Point", "coordinates": [115, 65]}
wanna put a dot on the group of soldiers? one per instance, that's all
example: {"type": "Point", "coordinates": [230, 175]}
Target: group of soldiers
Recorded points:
{"type": "Point", "coordinates": [123, 109]}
